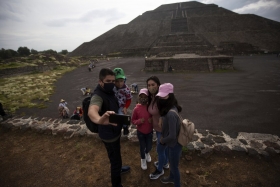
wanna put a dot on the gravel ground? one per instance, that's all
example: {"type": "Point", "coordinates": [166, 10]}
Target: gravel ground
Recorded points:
{"type": "Point", "coordinates": [245, 100]}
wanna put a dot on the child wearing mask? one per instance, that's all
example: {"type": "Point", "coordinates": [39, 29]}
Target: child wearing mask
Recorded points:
{"type": "Point", "coordinates": [122, 92]}
{"type": "Point", "coordinates": [143, 121]}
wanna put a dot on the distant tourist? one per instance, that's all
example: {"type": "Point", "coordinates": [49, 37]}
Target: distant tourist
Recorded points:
{"type": "Point", "coordinates": [91, 65]}
{"type": "Point", "coordinates": [170, 69]}
{"type": "Point", "coordinates": [134, 88]}
{"type": "Point", "coordinates": [63, 109]}
{"type": "Point", "coordinates": [77, 114]}
{"type": "Point", "coordinates": [86, 91]}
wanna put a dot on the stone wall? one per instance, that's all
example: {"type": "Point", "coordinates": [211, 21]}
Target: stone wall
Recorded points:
{"type": "Point", "coordinates": [206, 142]}
{"type": "Point", "coordinates": [204, 64]}
{"type": "Point", "coordinates": [26, 69]}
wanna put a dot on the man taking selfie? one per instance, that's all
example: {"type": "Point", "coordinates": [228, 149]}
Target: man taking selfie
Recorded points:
{"type": "Point", "coordinates": [104, 103]}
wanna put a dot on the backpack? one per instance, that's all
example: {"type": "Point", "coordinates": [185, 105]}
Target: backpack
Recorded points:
{"type": "Point", "coordinates": [93, 127]}
{"type": "Point", "coordinates": [186, 130]}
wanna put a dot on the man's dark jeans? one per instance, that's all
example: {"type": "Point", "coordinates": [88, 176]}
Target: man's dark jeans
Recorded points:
{"type": "Point", "coordinates": [114, 154]}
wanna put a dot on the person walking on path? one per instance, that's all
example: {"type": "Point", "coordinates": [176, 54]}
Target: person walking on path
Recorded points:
{"type": "Point", "coordinates": [153, 84]}
{"type": "Point", "coordinates": [109, 133]}
{"type": "Point", "coordinates": [170, 130]}
{"type": "Point", "coordinates": [143, 121]}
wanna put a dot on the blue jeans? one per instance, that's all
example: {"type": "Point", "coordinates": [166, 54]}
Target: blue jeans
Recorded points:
{"type": "Point", "coordinates": [114, 155]}
{"type": "Point", "coordinates": [162, 151]}
{"type": "Point", "coordinates": [145, 141]}
{"type": "Point", "coordinates": [174, 158]}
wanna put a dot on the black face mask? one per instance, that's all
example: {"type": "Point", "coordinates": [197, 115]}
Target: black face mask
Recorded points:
{"type": "Point", "coordinates": [143, 101]}
{"type": "Point", "coordinates": [162, 103]}
{"type": "Point", "coordinates": [108, 87]}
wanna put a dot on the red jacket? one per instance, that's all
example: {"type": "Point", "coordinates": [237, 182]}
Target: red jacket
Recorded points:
{"type": "Point", "coordinates": [139, 112]}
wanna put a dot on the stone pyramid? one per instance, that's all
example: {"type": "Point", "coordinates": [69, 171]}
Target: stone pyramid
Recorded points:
{"type": "Point", "coordinates": [211, 27]}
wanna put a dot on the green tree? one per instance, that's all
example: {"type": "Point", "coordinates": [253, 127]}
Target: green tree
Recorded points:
{"type": "Point", "coordinates": [50, 51]}
{"type": "Point", "coordinates": [9, 53]}
{"type": "Point", "coordinates": [23, 51]}
{"type": "Point", "coordinates": [33, 51]}
{"type": "Point", "coordinates": [64, 52]}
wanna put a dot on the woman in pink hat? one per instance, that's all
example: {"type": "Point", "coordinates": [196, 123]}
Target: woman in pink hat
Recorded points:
{"type": "Point", "coordinates": [168, 109]}
{"type": "Point", "coordinates": [143, 121]}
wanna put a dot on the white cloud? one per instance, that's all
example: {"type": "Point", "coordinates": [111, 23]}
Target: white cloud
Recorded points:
{"type": "Point", "coordinates": [259, 5]}
{"type": "Point", "coordinates": [66, 24]}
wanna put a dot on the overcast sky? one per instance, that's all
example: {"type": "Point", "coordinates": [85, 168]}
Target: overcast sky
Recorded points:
{"type": "Point", "coordinates": [66, 24]}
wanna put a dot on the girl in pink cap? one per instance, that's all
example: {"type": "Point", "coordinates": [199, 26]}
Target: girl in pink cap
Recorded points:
{"type": "Point", "coordinates": [143, 121]}
{"type": "Point", "coordinates": [168, 108]}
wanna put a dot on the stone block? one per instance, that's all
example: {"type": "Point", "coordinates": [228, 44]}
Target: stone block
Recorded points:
{"type": "Point", "coordinates": [243, 141]}
{"type": "Point", "coordinates": [219, 139]}
{"type": "Point", "coordinates": [252, 152]}
{"type": "Point", "coordinates": [207, 141]}
{"type": "Point", "coordinates": [272, 144]}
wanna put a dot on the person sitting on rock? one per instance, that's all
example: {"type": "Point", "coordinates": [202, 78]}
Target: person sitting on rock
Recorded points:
{"type": "Point", "coordinates": [86, 91]}
{"type": "Point", "coordinates": [63, 109]}
{"type": "Point", "coordinates": [77, 114]}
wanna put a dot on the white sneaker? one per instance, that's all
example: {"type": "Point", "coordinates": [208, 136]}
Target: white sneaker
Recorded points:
{"type": "Point", "coordinates": [148, 157]}
{"type": "Point", "coordinates": [143, 164]}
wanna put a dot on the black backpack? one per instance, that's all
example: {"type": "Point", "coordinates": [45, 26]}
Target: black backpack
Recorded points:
{"type": "Point", "coordinates": [93, 127]}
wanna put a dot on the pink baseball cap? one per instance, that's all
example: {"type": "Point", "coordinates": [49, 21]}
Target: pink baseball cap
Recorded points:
{"type": "Point", "coordinates": [144, 91]}
{"type": "Point", "coordinates": [165, 89]}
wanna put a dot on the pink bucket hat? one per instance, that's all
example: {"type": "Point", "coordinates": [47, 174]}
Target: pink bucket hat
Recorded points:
{"type": "Point", "coordinates": [144, 91]}
{"type": "Point", "coordinates": [165, 89]}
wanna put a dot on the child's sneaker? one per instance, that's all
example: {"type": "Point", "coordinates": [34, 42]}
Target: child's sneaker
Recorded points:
{"type": "Point", "coordinates": [143, 164]}
{"type": "Point", "coordinates": [148, 157]}
{"type": "Point", "coordinates": [166, 166]}
{"type": "Point", "coordinates": [156, 174]}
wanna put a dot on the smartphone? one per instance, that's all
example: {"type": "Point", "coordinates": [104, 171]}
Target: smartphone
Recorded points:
{"type": "Point", "coordinates": [120, 119]}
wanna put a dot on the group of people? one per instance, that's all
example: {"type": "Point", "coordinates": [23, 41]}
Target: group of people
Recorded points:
{"type": "Point", "coordinates": [152, 112]}
{"type": "Point", "coordinates": [64, 111]}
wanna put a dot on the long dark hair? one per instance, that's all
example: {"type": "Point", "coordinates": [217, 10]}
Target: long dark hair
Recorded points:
{"type": "Point", "coordinates": [169, 103]}
{"type": "Point", "coordinates": [156, 80]}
